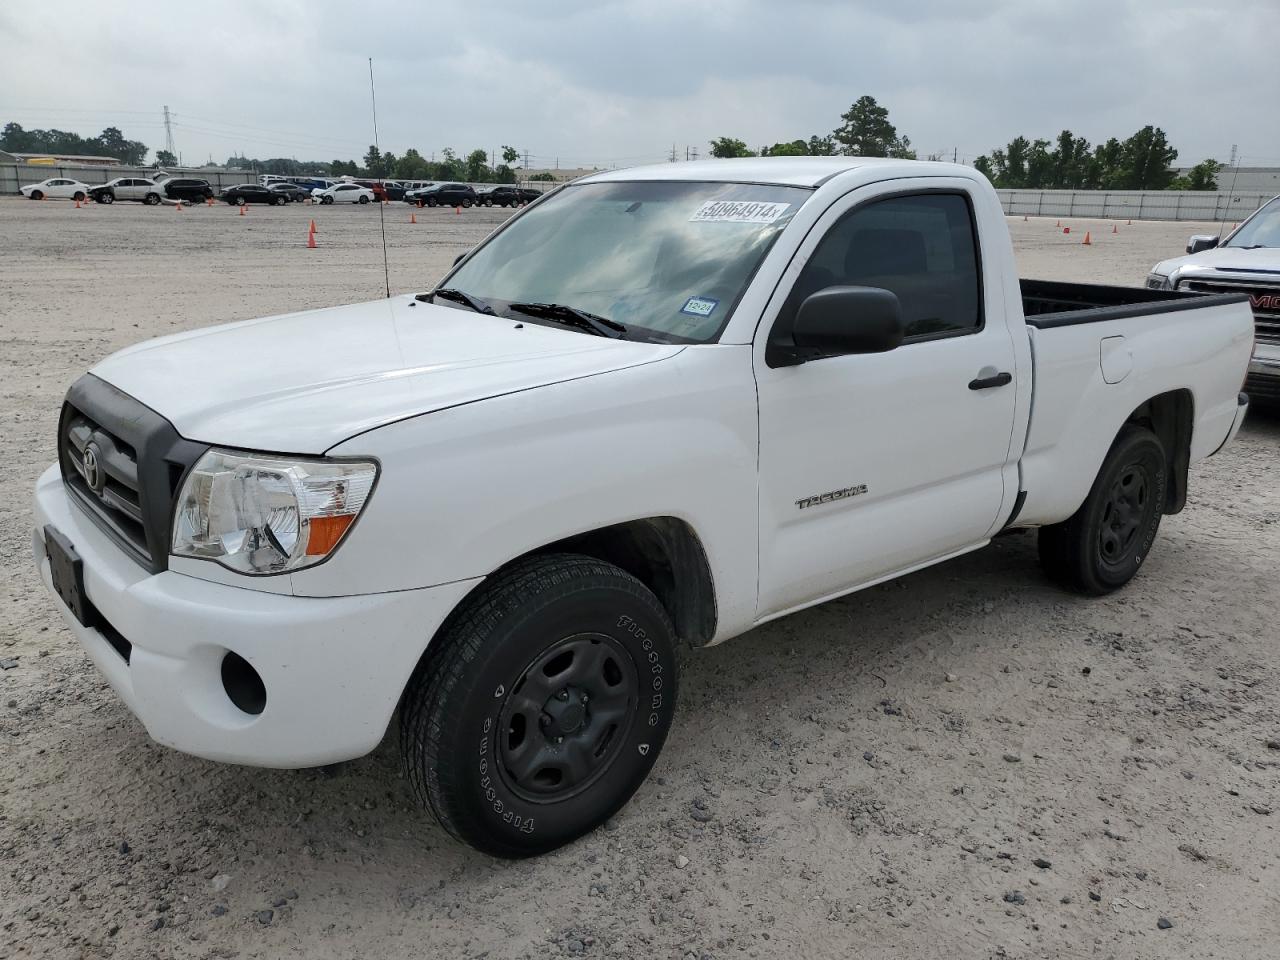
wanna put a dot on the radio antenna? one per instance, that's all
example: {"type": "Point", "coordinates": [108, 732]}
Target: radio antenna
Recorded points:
{"type": "Point", "coordinates": [382, 216]}
{"type": "Point", "coordinates": [1230, 196]}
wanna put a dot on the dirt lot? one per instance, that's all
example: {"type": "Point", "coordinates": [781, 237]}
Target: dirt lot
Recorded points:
{"type": "Point", "coordinates": [965, 763]}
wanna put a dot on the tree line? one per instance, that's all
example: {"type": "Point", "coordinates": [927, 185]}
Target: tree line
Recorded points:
{"type": "Point", "coordinates": [109, 143]}
{"type": "Point", "coordinates": [1142, 162]}
{"type": "Point", "coordinates": [474, 167]}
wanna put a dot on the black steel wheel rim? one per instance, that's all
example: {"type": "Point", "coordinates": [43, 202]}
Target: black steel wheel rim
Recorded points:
{"type": "Point", "coordinates": [1125, 514]}
{"type": "Point", "coordinates": [566, 717]}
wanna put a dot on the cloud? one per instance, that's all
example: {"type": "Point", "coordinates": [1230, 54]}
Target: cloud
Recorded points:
{"type": "Point", "coordinates": [615, 83]}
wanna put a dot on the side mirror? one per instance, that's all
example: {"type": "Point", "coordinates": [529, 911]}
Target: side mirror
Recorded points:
{"type": "Point", "coordinates": [842, 320]}
{"type": "Point", "coordinates": [1198, 243]}
{"type": "Point", "coordinates": [460, 257]}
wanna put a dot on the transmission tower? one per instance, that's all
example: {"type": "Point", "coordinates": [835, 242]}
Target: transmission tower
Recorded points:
{"type": "Point", "coordinates": [168, 132]}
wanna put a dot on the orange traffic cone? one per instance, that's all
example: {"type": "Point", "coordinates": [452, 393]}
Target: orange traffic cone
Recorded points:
{"type": "Point", "coordinates": [1114, 228]}
{"type": "Point", "coordinates": [1129, 223]}
{"type": "Point", "coordinates": [312, 228]}
{"type": "Point", "coordinates": [458, 210]}
{"type": "Point", "coordinates": [77, 204]}
{"type": "Point", "coordinates": [419, 204]}
{"type": "Point", "coordinates": [1066, 229]}
{"type": "Point", "coordinates": [1087, 241]}
{"type": "Point", "coordinates": [242, 211]}
{"type": "Point", "coordinates": [311, 241]}
{"type": "Point", "coordinates": [1058, 224]}
{"type": "Point", "coordinates": [1024, 218]}
{"type": "Point", "coordinates": [208, 201]}
{"type": "Point", "coordinates": [179, 206]}
{"type": "Point", "coordinates": [413, 218]}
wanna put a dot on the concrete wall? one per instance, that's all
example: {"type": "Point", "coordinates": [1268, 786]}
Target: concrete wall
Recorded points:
{"type": "Point", "coordinates": [1133, 204]}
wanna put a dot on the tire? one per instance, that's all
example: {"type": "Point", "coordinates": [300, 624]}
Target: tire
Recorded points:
{"type": "Point", "coordinates": [1100, 547]}
{"type": "Point", "coordinates": [364, 199]}
{"type": "Point", "coordinates": [325, 201]}
{"type": "Point", "coordinates": [37, 194]}
{"type": "Point", "coordinates": [106, 197]}
{"type": "Point", "coordinates": [151, 199]}
{"type": "Point", "coordinates": [524, 665]}
{"type": "Point", "coordinates": [281, 201]}
{"type": "Point", "coordinates": [431, 202]}
{"type": "Point", "coordinates": [78, 196]}
{"type": "Point", "coordinates": [466, 202]}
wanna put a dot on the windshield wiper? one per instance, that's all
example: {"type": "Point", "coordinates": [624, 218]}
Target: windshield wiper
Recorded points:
{"type": "Point", "coordinates": [573, 317]}
{"type": "Point", "coordinates": [459, 296]}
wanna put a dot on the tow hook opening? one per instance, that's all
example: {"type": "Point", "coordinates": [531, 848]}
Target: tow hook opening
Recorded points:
{"type": "Point", "coordinates": [243, 685]}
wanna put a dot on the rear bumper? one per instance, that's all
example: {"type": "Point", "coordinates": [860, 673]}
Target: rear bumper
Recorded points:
{"type": "Point", "coordinates": [333, 668]}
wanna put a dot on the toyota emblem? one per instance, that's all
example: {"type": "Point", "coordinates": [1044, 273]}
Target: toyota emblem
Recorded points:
{"type": "Point", "coordinates": [92, 470]}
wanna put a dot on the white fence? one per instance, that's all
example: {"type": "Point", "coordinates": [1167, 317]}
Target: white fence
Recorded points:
{"type": "Point", "coordinates": [15, 175]}
{"type": "Point", "coordinates": [1133, 204]}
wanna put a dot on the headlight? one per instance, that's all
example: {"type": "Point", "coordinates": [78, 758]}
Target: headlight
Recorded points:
{"type": "Point", "coordinates": [1158, 281]}
{"type": "Point", "coordinates": [260, 514]}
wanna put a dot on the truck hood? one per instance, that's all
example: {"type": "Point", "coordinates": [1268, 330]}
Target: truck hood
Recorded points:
{"type": "Point", "coordinates": [303, 382]}
{"type": "Point", "coordinates": [1224, 259]}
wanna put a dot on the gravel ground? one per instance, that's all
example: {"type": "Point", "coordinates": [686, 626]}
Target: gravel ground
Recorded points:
{"type": "Point", "coordinates": [964, 763]}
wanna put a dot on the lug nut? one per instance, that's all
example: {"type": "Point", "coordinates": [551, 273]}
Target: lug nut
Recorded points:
{"type": "Point", "coordinates": [562, 695]}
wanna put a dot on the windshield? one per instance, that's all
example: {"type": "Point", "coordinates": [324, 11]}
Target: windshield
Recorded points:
{"type": "Point", "coordinates": [668, 259]}
{"type": "Point", "coordinates": [1262, 229]}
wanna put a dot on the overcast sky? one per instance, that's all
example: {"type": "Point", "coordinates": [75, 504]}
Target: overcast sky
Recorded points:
{"type": "Point", "coordinates": [615, 84]}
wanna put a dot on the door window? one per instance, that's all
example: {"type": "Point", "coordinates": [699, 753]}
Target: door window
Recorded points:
{"type": "Point", "coordinates": [921, 247]}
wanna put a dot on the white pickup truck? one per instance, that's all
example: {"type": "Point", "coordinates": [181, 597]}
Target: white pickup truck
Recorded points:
{"type": "Point", "coordinates": [662, 404]}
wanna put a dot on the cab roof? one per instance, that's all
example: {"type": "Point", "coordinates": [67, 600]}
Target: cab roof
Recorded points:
{"type": "Point", "coordinates": [789, 171]}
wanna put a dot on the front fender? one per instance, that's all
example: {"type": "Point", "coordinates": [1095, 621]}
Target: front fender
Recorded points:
{"type": "Point", "coordinates": [464, 490]}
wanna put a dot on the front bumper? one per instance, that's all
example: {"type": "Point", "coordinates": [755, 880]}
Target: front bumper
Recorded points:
{"type": "Point", "coordinates": [1263, 380]}
{"type": "Point", "coordinates": [333, 667]}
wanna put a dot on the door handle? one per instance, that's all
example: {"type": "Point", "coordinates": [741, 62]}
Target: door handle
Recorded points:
{"type": "Point", "coordinates": [986, 383]}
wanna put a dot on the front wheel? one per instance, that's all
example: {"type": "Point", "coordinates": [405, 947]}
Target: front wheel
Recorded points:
{"type": "Point", "coordinates": [78, 196]}
{"type": "Point", "coordinates": [1100, 547]}
{"type": "Point", "coordinates": [105, 198]}
{"type": "Point", "coordinates": [542, 705]}
{"type": "Point", "coordinates": [281, 201]}
{"type": "Point", "coordinates": [466, 202]}
{"type": "Point", "coordinates": [240, 201]}
{"type": "Point", "coordinates": [37, 195]}
{"type": "Point", "coordinates": [325, 201]}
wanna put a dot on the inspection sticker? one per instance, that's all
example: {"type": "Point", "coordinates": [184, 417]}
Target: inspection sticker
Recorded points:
{"type": "Point", "coordinates": [739, 211]}
{"type": "Point", "coordinates": [699, 306]}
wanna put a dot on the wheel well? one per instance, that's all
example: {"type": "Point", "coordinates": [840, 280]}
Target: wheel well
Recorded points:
{"type": "Point", "coordinates": [1170, 416]}
{"type": "Point", "coordinates": [666, 556]}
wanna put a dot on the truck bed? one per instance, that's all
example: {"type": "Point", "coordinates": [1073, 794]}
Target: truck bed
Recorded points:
{"type": "Point", "coordinates": [1052, 303]}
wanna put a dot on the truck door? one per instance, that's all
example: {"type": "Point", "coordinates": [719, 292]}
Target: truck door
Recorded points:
{"type": "Point", "coordinates": [871, 464]}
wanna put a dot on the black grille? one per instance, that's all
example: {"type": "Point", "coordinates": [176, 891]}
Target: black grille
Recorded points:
{"type": "Point", "coordinates": [1264, 298]}
{"type": "Point", "coordinates": [122, 463]}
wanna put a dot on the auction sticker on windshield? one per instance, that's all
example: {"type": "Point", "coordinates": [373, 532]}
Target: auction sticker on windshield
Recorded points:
{"type": "Point", "coordinates": [699, 306]}
{"type": "Point", "coordinates": [739, 211]}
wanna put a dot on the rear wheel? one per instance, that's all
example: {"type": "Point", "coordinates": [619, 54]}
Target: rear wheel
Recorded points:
{"type": "Point", "coordinates": [1100, 547]}
{"type": "Point", "coordinates": [78, 196]}
{"type": "Point", "coordinates": [543, 705]}
{"type": "Point", "coordinates": [364, 199]}
{"type": "Point", "coordinates": [151, 199]}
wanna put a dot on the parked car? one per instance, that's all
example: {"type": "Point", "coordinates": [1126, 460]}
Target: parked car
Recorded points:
{"type": "Point", "coordinates": [295, 193]}
{"type": "Point", "coordinates": [243, 193]}
{"type": "Point", "coordinates": [781, 381]}
{"type": "Point", "coordinates": [383, 189]}
{"type": "Point", "coordinates": [412, 185]}
{"type": "Point", "coordinates": [343, 193]}
{"type": "Point", "coordinates": [128, 188]}
{"type": "Point", "coordinates": [444, 195]}
{"type": "Point", "coordinates": [1247, 262]}
{"type": "Point", "coordinates": [187, 189]}
{"type": "Point", "coordinates": [501, 196]}
{"type": "Point", "coordinates": [58, 188]}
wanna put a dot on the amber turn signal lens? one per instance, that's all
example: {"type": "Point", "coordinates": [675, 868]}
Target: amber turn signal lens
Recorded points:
{"type": "Point", "coordinates": [325, 533]}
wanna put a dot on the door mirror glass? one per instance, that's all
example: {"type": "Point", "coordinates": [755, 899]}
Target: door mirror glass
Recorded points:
{"type": "Point", "coordinates": [1198, 243]}
{"type": "Point", "coordinates": [845, 320]}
